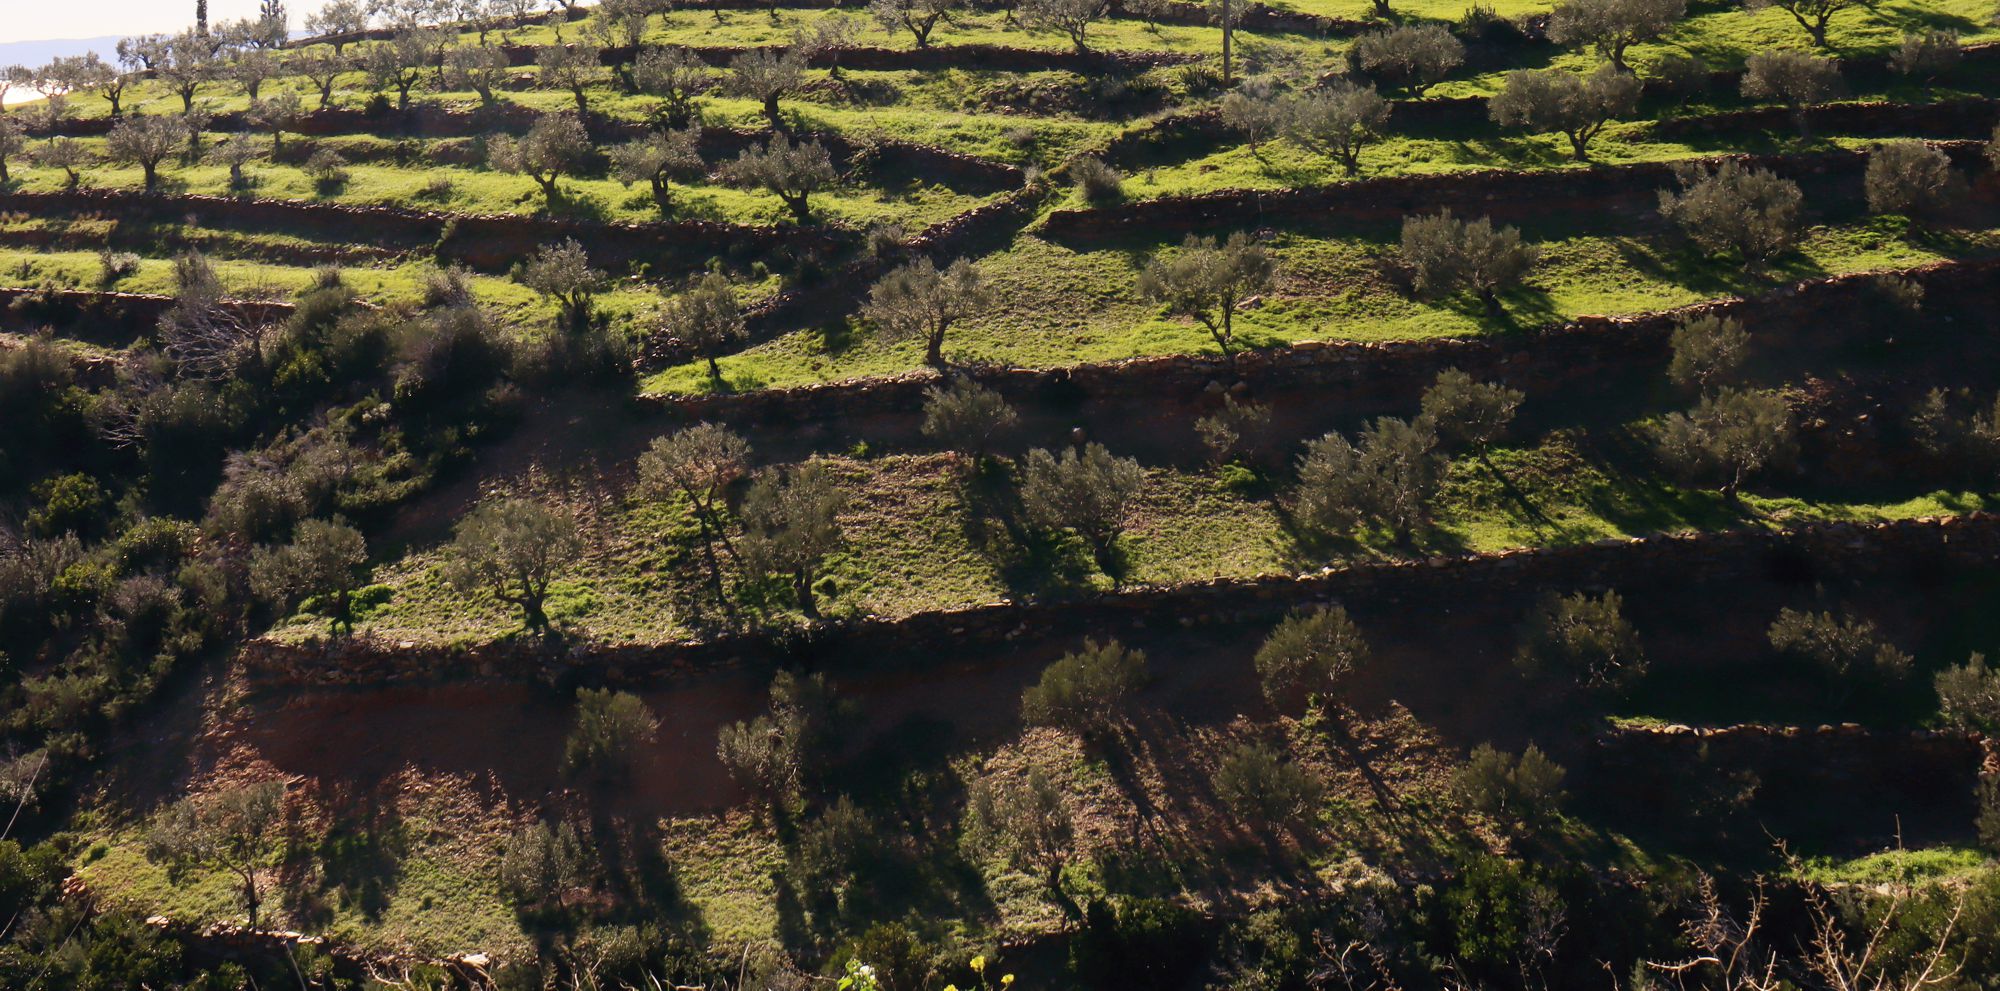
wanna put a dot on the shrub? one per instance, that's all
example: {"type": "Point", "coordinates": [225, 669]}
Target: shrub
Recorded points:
{"type": "Point", "coordinates": [1026, 820]}
{"type": "Point", "coordinates": [1523, 789]}
{"type": "Point", "coordinates": [1844, 650]}
{"type": "Point", "coordinates": [967, 417]}
{"type": "Point", "coordinates": [1443, 254]}
{"type": "Point", "coordinates": [1309, 654]}
{"type": "Point", "coordinates": [1728, 437]}
{"type": "Point", "coordinates": [782, 752]}
{"type": "Point", "coordinates": [1969, 695]}
{"type": "Point", "coordinates": [1706, 350]}
{"type": "Point", "coordinates": [1414, 56]}
{"type": "Point", "coordinates": [1254, 783]}
{"type": "Point", "coordinates": [1926, 55]}
{"type": "Point", "coordinates": [1097, 183]}
{"type": "Point", "coordinates": [1470, 415]}
{"type": "Point", "coordinates": [1795, 79]}
{"type": "Point", "coordinates": [328, 171]}
{"type": "Point", "coordinates": [1581, 639]}
{"type": "Point", "coordinates": [609, 726]}
{"type": "Point", "coordinates": [1733, 207]}
{"type": "Point", "coordinates": [1684, 76]}
{"type": "Point", "coordinates": [1238, 429]}
{"type": "Point", "coordinates": [1914, 179]}
{"type": "Point", "coordinates": [1085, 691]}
{"type": "Point", "coordinates": [541, 864]}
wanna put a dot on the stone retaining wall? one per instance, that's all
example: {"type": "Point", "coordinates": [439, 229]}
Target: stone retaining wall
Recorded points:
{"type": "Point", "coordinates": [1693, 559]}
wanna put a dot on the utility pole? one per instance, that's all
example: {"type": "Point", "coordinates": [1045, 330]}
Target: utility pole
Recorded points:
{"type": "Point", "coordinates": [1228, 29]}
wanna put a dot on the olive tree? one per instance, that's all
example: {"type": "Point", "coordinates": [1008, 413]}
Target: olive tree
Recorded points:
{"type": "Point", "coordinates": [1845, 650]}
{"type": "Point", "coordinates": [337, 19]}
{"type": "Point", "coordinates": [1577, 107]}
{"type": "Point", "coordinates": [767, 77]}
{"type": "Point", "coordinates": [562, 272]}
{"type": "Point", "coordinates": [698, 462]}
{"type": "Point", "coordinates": [12, 143]}
{"type": "Point", "coordinates": [146, 142]}
{"type": "Point", "coordinates": [1468, 413]}
{"type": "Point", "coordinates": [1813, 15]}
{"type": "Point", "coordinates": [1444, 254]}
{"type": "Point", "coordinates": [1795, 79]}
{"type": "Point", "coordinates": [1707, 349]}
{"type": "Point", "coordinates": [280, 113]}
{"type": "Point", "coordinates": [676, 76]}
{"type": "Point", "coordinates": [555, 145]}
{"type": "Point", "coordinates": [919, 17]}
{"type": "Point", "coordinates": [1086, 691]}
{"type": "Point", "coordinates": [184, 65]}
{"type": "Point", "coordinates": [1524, 789]}
{"type": "Point", "coordinates": [1914, 179]}
{"type": "Point", "coordinates": [1258, 784]}
{"type": "Point", "coordinates": [67, 154]}
{"type": "Point", "coordinates": [399, 63]}
{"type": "Point", "coordinates": [791, 522]}
{"type": "Point", "coordinates": [322, 69]}
{"type": "Point", "coordinates": [1388, 479]}
{"type": "Point", "coordinates": [791, 172]}
{"type": "Point", "coordinates": [1071, 17]}
{"type": "Point", "coordinates": [1206, 282]}
{"type": "Point", "coordinates": [1414, 56]}
{"type": "Point", "coordinates": [1926, 55]}
{"type": "Point", "coordinates": [251, 70]}
{"type": "Point", "coordinates": [479, 68]}
{"type": "Point", "coordinates": [609, 726]}
{"type": "Point", "coordinates": [1735, 208]}
{"type": "Point", "coordinates": [967, 417]}
{"type": "Point", "coordinates": [1581, 639]}
{"type": "Point", "coordinates": [783, 751]}
{"type": "Point", "coordinates": [657, 159]}
{"type": "Point", "coordinates": [1237, 429]}
{"type": "Point", "coordinates": [326, 562]}
{"type": "Point", "coordinates": [1027, 820]}
{"type": "Point", "coordinates": [1729, 437]}
{"type": "Point", "coordinates": [1612, 26]}
{"type": "Point", "coordinates": [1308, 655]}
{"type": "Point", "coordinates": [1337, 121]}
{"type": "Point", "coordinates": [541, 864]}
{"type": "Point", "coordinates": [512, 549]}
{"type": "Point", "coordinates": [918, 301]}
{"type": "Point", "coordinates": [706, 318]}
{"type": "Point", "coordinates": [233, 830]}
{"type": "Point", "coordinates": [575, 68]}
{"type": "Point", "coordinates": [1253, 110]}
{"type": "Point", "coordinates": [1089, 493]}
{"type": "Point", "coordinates": [1969, 695]}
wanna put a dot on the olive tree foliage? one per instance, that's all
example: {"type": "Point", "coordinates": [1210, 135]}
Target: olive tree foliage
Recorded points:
{"type": "Point", "coordinates": [326, 562]}
{"type": "Point", "coordinates": [1237, 430]}
{"type": "Point", "coordinates": [13, 142]}
{"type": "Point", "coordinates": [1923, 56]}
{"type": "Point", "coordinates": [791, 172]}
{"type": "Point", "coordinates": [1795, 79]}
{"type": "Point", "coordinates": [609, 726]}
{"type": "Point", "coordinates": [336, 19]}
{"type": "Point", "coordinates": [1086, 691]}
{"type": "Point", "coordinates": [251, 69]}
{"type": "Point", "coordinates": [1024, 819]}
{"type": "Point", "coordinates": [1387, 479]}
{"type": "Point", "coordinates": [1913, 179]}
{"type": "Point", "coordinates": [555, 145]}
{"type": "Point", "coordinates": [1845, 650]}
{"type": "Point", "coordinates": [1612, 26]}
{"type": "Point", "coordinates": [1414, 56]}
{"type": "Point", "coordinates": [919, 17]}
{"type": "Point", "coordinates": [707, 318]}
{"type": "Point", "coordinates": [1813, 15]}
{"type": "Point", "coordinates": [184, 64]}
{"type": "Point", "coordinates": [675, 75]}
{"type": "Point", "coordinates": [281, 113]}
{"type": "Point", "coordinates": [512, 549]}
{"type": "Point", "coordinates": [1732, 207]}
{"type": "Point", "coordinates": [1254, 110]}
{"type": "Point", "coordinates": [232, 830]}
{"type": "Point", "coordinates": [1207, 282]}
{"type": "Point", "coordinates": [1707, 349]}
{"type": "Point", "coordinates": [1966, 438]}
{"type": "Point", "coordinates": [657, 160]}
{"type": "Point", "coordinates": [1071, 17]}
{"type": "Point", "coordinates": [1467, 413]}
{"type": "Point", "coordinates": [399, 62]}
{"type": "Point", "coordinates": [782, 752]}
{"type": "Point", "coordinates": [791, 522]}
{"type": "Point", "coordinates": [1522, 789]}
{"type": "Point", "coordinates": [542, 864]}
{"type": "Point", "coordinates": [562, 272]}
{"type": "Point", "coordinates": [1443, 254]}
{"type": "Point", "coordinates": [1308, 655]}
{"type": "Point", "coordinates": [146, 142]}
{"type": "Point", "coordinates": [767, 77]}
{"type": "Point", "coordinates": [918, 301]}
{"type": "Point", "coordinates": [1577, 107]}
{"type": "Point", "coordinates": [699, 462]}
{"type": "Point", "coordinates": [1257, 783]}
{"type": "Point", "coordinates": [1089, 493]}
{"type": "Point", "coordinates": [1727, 438]}
{"type": "Point", "coordinates": [574, 68]}
{"type": "Point", "coordinates": [1337, 121]}
{"type": "Point", "coordinates": [1583, 640]}
{"type": "Point", "coordinates": [1969, 695]}
{"type": "Point", "coordinates": [482, 69]}
{"type": "Point", "coordinates": [323, 69]}
{"type": "Point", "coordinates": [967, 417]}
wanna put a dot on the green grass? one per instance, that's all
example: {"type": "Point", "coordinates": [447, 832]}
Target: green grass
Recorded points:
{"type": "Point", "coordinates": [1057, 305]}
{"type": "Point", "coordinates": [1928, 865]}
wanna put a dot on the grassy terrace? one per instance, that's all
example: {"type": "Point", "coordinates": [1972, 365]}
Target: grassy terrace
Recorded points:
{"type": "Point", "coordinates": [1058, 305]}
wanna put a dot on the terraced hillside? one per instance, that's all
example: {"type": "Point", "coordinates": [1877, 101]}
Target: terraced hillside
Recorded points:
{"type": "Point", "coordinates": [1072, 493]}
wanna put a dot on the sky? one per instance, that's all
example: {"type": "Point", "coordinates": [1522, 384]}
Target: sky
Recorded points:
{"type": "Point", "coordinates": [42, 20]}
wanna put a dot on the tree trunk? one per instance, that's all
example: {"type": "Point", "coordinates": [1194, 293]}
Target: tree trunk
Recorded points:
{"type": "Point", "coordinates": [934, 351]}
{"type": "Point", "coordinates": [802, 589]}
